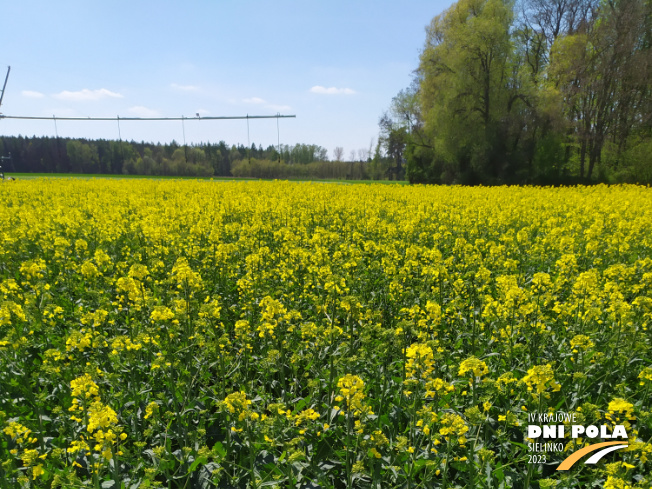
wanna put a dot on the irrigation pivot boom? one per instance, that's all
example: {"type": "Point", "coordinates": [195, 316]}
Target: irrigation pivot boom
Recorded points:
{"type": "Point", "coordinates": [2, 95]}
{"type": "Point", "coordinates": [118, 118]}
{"type": "Point", "coordinates": [182, 118]}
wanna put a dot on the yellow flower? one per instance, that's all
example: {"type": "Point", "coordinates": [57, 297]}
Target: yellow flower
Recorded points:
{"type": "Point", "coordinates": [540, 378]}
{"type": "Point", "coordinates": [305, 415]}
{"type": "Point", "coordinates": [352, 392]}
{"type": "Point", "coordinates": [645, 375]}
{"type": "Point", "coordinates": [100, 416]}
{"type": "Point", "coordinates": [472, 364]}
{"type": "Point", "coordinates": [150, 409]}
{"type": "Point", "coordinates": [581, 342]}
{"type": "Point", "coordinates": [420, 361]}
{"type": "Point", "coordinates": [161, 313]}
{"type": "Point", "coordinates": [453, 424]}
{"type": "Point", "coordinates": [37, 470]}
{"type": "Point", "coordinates": [621, 406]}
{"type": "Point", "coordinates": [84, 387]}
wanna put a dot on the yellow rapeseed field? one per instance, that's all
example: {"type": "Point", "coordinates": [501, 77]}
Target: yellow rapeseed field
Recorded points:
{"type": "Point", "coordinates": [200, 334]}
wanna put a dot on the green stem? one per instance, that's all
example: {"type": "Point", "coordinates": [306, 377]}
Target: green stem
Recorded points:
{"type": "Point", "coordinates": [412, 430]}
{"type": "Point", "coordinates": [252, 457]}
{"type": "Point", "coordinates": [116, 473]}
{"type": "Point", "coordinates": [448, 456]}
{"type": "Point", "coordinates": [349, 481]}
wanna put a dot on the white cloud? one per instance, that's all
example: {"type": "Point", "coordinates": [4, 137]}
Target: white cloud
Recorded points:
{"type": "Point", "coordinates": [140, 111]}
{"type": "Point", "coordinates": [331, 90]}
{"type": "Point", "coordinates": [86, 95]}
{"type": "Point", "coordinates": [31, 94]}
{"type": "Point", "coordinates": [253, 100]}
{"type": "Point", "coordinates": [185, 88]}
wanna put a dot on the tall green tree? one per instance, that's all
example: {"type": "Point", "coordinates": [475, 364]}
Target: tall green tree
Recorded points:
{"type": "Point", "coordinates": [544, 91]}
{"type": "Point", "coordinates": [603, 74]}
{"type": "Point", "coordinates": [464, 92]}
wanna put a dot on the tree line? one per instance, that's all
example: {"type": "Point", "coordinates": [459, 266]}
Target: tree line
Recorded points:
{"type": "Point", "coordinates": [65, 155]}
{"type": "Point", "coordinates": [537, 91]}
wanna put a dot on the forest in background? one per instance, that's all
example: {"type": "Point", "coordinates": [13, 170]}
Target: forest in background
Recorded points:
{"type": "Point", "coordinates": [537, 91]}
{"type": "Point", "coordinates": [63, 155]}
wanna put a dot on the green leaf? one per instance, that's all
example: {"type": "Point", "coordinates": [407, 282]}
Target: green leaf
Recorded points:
{"type": "Point", "coordinates": [193, 466]}
{"type": "Point", "coordinates": [219, 448]}
{"type": "Point", "coordinates": [300, 404]}
{"type": "Point", "coordinates": [275, 483]}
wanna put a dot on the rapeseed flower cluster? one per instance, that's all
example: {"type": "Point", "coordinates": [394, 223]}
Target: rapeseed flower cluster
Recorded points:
{"type": "Point", "coordinates": [453, 425]}
{"type": "Point", "coordinates": [351, 392]}
{"type": "Point", "coordinates": [26, 448]}
{"type": "Point", "coordinates": [420, 362]}
{"type": "Point", "coordinates": [99, 422]}
{"type": "Point", "coordinates": [473, 365]}
{"type": "Point", "coordinates": [238, 404]}
{"type": "Point", "coordinates": [540, 378]}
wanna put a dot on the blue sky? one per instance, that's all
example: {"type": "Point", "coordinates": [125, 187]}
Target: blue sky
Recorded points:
{"type": "Point", "coordinates": [336, 65]}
